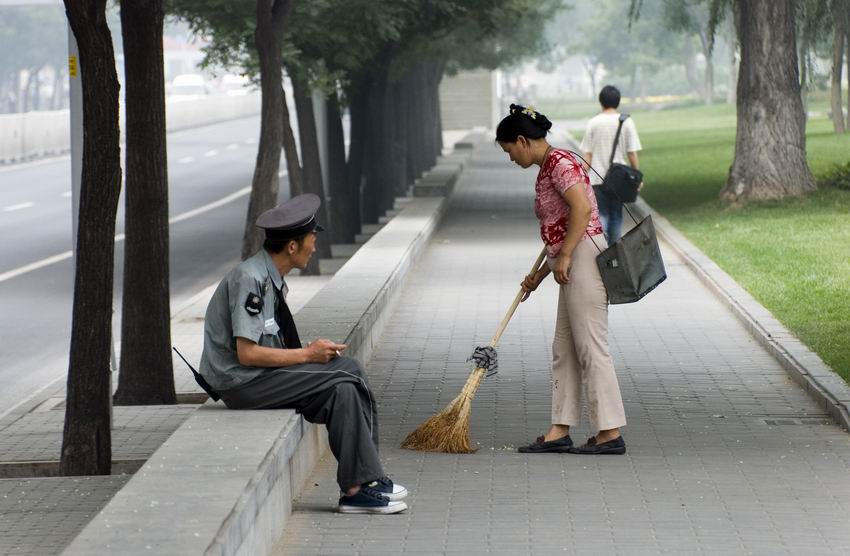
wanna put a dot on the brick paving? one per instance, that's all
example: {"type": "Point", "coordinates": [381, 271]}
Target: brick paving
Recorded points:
{"type": "Point", "coordinates": [40, 516]}
{"type": "Point", "coordinates": [726, 454]}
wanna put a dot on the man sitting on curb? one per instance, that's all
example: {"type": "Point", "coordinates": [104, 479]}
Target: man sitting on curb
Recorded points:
{"type": "Point", "coordinates": [253, 359]}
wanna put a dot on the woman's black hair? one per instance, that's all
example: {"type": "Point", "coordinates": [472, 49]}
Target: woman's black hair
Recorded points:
{"type": "Point", "coordinates": [522, 121]}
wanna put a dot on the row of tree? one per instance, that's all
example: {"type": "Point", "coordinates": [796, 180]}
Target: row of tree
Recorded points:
{"type": "Point", "coordinates": [681, 44]}
{"type": "Point", "coordinates": [31, 58]}
{"type": "Point", "coordinates": [382, 60]}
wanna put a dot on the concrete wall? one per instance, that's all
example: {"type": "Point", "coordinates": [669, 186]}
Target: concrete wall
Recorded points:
{"type": "Point", "coordinates": [470, 99]}
{"type": "Point", "coordinates": [37, 134]}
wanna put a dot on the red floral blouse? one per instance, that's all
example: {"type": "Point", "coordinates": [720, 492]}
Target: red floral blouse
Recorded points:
{"type": "Point", "coordinates": [560, 172]}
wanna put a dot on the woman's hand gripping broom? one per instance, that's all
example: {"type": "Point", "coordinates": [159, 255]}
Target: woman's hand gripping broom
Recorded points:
{"type": "Point", "coordinates": [448, 431]}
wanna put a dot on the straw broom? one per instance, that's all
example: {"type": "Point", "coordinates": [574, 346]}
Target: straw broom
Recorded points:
{"type": "Point", "coordinates": [448, 431]}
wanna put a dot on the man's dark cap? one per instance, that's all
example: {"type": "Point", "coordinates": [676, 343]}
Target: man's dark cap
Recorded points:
{"type": "Point", "coordinates": [291, 219]}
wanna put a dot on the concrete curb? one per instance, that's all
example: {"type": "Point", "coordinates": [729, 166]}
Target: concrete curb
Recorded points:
{"type": "Point", "coordinates": [223, 483]}
{"type": "Point", "coordinates": [828, 389]}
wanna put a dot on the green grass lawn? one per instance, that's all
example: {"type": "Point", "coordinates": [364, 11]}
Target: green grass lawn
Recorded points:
{"type": "Point", "coordinates": [793, 256]}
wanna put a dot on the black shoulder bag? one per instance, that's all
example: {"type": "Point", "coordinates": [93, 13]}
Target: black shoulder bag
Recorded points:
{"type": "Point", "coordinates": [621, 179]}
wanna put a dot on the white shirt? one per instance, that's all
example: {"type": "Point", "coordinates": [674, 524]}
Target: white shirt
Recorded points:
{"type": "Point", "coordinates": [599, 139]}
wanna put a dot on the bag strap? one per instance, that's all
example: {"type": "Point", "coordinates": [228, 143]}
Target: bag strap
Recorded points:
{"type": "Point", "coordinates": [625, 206]}
{"type": "Point", "coordinates": [622, 119]}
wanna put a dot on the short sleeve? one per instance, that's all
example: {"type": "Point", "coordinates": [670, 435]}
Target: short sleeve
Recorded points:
{"type": "Point", "coordinates": [632, 139]}
{"type": "Point", "coordinates": [567, 173]}
{"type": "Point", "coordinates": [245, 324]}
{"type": "Point", "coordinates": [587, 141]}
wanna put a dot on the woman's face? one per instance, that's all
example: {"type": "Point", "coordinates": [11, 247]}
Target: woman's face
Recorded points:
{"type": "Point", "coordinates": [519, 151]}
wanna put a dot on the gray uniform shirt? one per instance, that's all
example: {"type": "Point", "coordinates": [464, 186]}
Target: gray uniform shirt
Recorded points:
{"type": "Point", "coordinates": [227, 318]}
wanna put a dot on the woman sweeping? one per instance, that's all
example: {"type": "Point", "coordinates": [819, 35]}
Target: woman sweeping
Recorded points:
{"type": "Point", "coordinates": [569, 224]}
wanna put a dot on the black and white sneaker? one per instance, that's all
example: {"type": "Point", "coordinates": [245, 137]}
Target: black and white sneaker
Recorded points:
{"type": "Point", "coordinates": [385, 486]}
{"type": "Point", "coordinates": [369, 501]}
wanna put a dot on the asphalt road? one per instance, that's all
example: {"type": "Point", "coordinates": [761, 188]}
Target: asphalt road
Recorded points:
{"type": "Point", "coordinates": [209, 169]}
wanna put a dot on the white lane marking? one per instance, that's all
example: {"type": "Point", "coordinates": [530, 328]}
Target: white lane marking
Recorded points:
{"type": "Point", "coordinates": [120, 237]}
{"type": "Point", "coordinates": [206, 208]}
{"type": "Point", "coordinates": [232, 147]}
{"type": "Point", "coordinates": [19, 206]}
{"type": "Point", "coordinates": [66, 194]}
{"type": "Point", "coordinates": [210, 153]}
{"type": "Point", "coordinates": [186, 160]}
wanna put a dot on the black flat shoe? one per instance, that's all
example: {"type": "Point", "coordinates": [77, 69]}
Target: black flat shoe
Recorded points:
{"type": "Point", "coordinates": [540, 446]}
{"type": "Point", "coordinates": [614, 447]}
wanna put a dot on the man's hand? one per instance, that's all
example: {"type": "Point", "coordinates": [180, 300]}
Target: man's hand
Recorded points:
{"type": "Point", "coordinates": [640, 186]}
{"type": "Point", "coordinates": [562, 269]}
{"type": "Point", "coordinates": [322, 351]}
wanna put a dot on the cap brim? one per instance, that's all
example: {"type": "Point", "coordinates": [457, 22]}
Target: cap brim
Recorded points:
{"type": "Point", "coordinates": [318, 228]}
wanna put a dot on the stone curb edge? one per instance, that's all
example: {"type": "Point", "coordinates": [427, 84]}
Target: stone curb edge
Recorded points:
{"type": "Point", "coordinates": [828, 389]}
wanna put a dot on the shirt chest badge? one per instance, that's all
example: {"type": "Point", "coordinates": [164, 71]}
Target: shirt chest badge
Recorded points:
{"type": "Point", "coordinates": [254, 304]}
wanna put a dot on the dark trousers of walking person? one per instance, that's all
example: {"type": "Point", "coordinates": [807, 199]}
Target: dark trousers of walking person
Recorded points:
{"type": "Point", "coordinates": [335, 394]}
{"type": "Point", "coordinates": [610, 214]}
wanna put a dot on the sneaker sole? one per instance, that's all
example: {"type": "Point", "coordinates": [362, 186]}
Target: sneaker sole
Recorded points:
{"type": "Point", "coordinates": [392, 508]}
{"type": "Point", "coordinates": [396, 496]}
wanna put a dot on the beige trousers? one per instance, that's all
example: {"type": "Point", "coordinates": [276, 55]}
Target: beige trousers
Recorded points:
{"type": "Point", "coordinates": [580, 354]}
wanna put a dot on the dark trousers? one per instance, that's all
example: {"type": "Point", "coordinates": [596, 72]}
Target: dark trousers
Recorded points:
{"type": "Point", "coordinates": [610, 214]}
{"type": "Point", "coordinates": [335, 394]}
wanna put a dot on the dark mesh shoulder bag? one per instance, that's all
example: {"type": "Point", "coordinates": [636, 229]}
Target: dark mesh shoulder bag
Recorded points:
{"type": "Point", "coordinates": [632, 266]}
{"type": "Point", "coordinates": [621, 179]}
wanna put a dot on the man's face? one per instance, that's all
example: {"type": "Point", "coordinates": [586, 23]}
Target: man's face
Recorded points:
{"type": "Point", "coordinates": [302, 255]}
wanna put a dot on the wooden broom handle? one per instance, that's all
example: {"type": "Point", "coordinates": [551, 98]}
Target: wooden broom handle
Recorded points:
{"type": "Point", "coordinates": [504, 324]}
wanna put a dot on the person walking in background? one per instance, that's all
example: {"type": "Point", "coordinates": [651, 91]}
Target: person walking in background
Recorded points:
{"type": "Point", "coordinates": [597, 145]}
{"type": "Point", "coordinates": [566, 208]}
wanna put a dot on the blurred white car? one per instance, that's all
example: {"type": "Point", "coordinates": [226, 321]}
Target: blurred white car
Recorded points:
{"type": "Point", "coordinates": [235, 85]}
{"type": "Point", "coordinates": [188, 86]}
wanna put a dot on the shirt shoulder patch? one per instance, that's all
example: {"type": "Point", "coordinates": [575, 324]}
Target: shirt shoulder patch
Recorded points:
{"type": "Point", "coordinates": [253, 304]}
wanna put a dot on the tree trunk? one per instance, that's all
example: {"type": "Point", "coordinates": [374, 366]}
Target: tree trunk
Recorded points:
{"type": "Point", "coordinates": [804, 79]}
{"type": "Point", "coordinates": [147, 376]}
{"type": "Point", "coordinates": [344, 213]}
{"type": "Point", "coordinates": [435, 76]}
{"type": "Point", "coordinates": [374, 164]}
{"type": "Point", "coordinates": [26, 95]}
{"type": "Point", "coordinates": [86, 439]}
{"type": "Point", "coordinates": [36, 89]}
{"type": "Point", "coordinates": [732, 83]}
{"type": "Point", "coordinates": [399, 153]}
{"type": "Point", "coordinates": [689, 62]}
{"type": "Point", "coordinates": [708, 79]}
{"type": "Point", "coordinates": [272, 16]}
{"type": "Point", "coordinates": [290, 151]}
{"type": "Point", "coordinates": [312, 165]}
{"type": "Point", "coordinates": [360, 131]}
{"type": "Point", "coordinates": [58, 90]}
{"type": "Point", "coordinates": [839, 35]}
{"type": "Point", "coordinates": [770, 148]}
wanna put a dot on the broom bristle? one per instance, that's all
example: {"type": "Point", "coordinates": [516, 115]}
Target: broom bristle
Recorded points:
{"type": "Point", "coordinates": [448, 430]}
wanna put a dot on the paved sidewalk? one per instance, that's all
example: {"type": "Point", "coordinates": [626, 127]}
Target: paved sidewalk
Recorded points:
{"type": "Point", "coordinates": [40, 516]}
{"type": "Point", "coordinates": [726, 454]}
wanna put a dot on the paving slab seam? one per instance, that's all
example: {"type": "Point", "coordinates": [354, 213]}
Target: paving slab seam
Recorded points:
{"type": "Point", "coordinates": [822, 383]}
